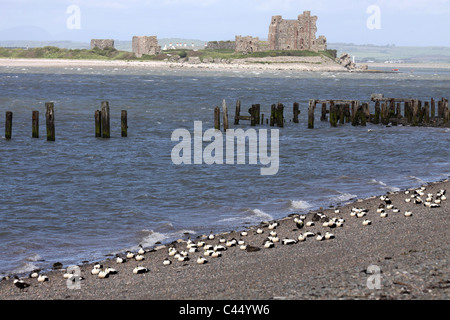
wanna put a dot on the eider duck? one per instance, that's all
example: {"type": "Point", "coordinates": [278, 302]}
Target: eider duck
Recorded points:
{"type": "Point", "coordinates": [366, 222]}
{"type": "Point", "coordinates": [201, 260]}
{"type": "Point", "coordinates": [19, 283]}
{"type": "Point", "coordinates": [166, 262]}
{"type": "Point", "coordinates": [42, 278]}
{"type": "Point", "coordinates": [139, 270]}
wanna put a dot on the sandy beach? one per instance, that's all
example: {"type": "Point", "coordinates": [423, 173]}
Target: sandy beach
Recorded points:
{"type": "Point", "coordinates": [408, 253]}
{"type": "Point", "coordinates": [309, 64]}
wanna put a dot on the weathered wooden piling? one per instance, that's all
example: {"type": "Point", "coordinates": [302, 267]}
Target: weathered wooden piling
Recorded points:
{"type": "Point", "coordinates": [50, 121]}
{"type": "Point", "coordinates": [124, 123]}
{"type": "Point", "coordinates": [376, 119]}
{"type": "Point", "coordinates": [311, 108]}
{"type": "Point", "coordinates": [415, 111]}
{"type": "Point", "coordinates": [262, 118]}
{"type": "Point", "coordinates": [280, 115]}
{"type": "Point", "coordinates": [296, 112]}
{"type": "Point", "coordinates": [426, 117]}
{"type": "Point", "coordinates": [446, 112]}
{"type": "Point", "coordinates": [252, 112]}
{"type": "Point", "coordinates": [238, 112]}
{"type": "Point", "coordinates": [433, 108]}
{"type": "Point", "coordinates": [98, 123]}
{"type": "Point", "coordinates": [363, 114]}
{"type": "Point", "coordinates": [225, 115]}
{"type": "Point", "coordinates": [8, 124]}
{"type": "Point", "coordinates": [106, 133]}
{"type": "Point", "coordinates": [323, 116]}
{"type": "Point", "coordinates": [217, 118]}
{"type": "Point", "coordinates": [355, 113]}
{"type": "Point", "coordinates": [333, 114]}
{"type": "Point", "coordinates": [257, 113]}
{"type": "Point", "coordinates": [35, 124]}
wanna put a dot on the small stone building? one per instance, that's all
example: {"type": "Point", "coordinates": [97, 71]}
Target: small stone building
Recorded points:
{"type": "Point", "coordinates": [247, 44]}
{"type": "Point", "coordinates": [145, 45]}
{"type": "Point", "coordinates": [102, 43]}
{"type": "Point", "coordinates": [297, 34]}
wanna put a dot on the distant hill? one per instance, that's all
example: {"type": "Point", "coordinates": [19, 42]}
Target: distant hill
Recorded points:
{"type": "Point", "coordinates": [372, 53]}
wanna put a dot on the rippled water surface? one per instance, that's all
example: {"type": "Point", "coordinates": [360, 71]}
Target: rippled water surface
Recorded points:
{"type": "Point", "coordinates": [80, 197]}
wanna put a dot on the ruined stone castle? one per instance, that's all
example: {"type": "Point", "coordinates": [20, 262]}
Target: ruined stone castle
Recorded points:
{"type": "Point", "coordinates": [297, 34]}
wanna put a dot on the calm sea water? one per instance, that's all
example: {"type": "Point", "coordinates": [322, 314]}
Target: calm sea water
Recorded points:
{"type": "Point", "coordinates": [81, 198]}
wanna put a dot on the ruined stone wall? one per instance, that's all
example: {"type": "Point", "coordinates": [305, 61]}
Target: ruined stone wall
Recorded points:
{"type": "Point", "coordinates": [102, 43]}
{"type": "Point", "coordinates": [215, 45]}
{"type": "Point", "coordinates": [297, 34]}
{"type": "Point", "coordinates": [145, 45]}
{"type": "Point", "coordinates": [247, 44]}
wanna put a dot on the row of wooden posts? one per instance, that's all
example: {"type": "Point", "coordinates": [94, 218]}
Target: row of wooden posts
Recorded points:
{"type": "Point", "coordinates": [102, 122]}
{"type": "Point", "coordinates": [255, 117]}
{"type": "Point", "coordinates": [386, 111]}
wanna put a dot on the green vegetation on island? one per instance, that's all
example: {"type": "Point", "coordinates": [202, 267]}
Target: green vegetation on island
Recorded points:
{"type": "Point", "coordinates": [51, 52]}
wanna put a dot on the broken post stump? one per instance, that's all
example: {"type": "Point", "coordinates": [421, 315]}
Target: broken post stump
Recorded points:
{"type": "Point", "coordinates": [238, 111]}
{"type": "Point", "coordinates": [35, 124]}
{"type": "Point", "coordinates": [225, 115]}
{"type": "Point", "coordinates": [8, 125]}
{"type": "Point", "coordinates": [124, 123]}
{"type": "Point", "coordinates": [311, 107]}
{"type": "Point", "coordinates": [217, 118]}
{"type": "Point", "coordinates": [98, 123]}
{"type": "Point", "coordinates": [296, 112]}
{"type": "Point", "coordinates": [50, 121]}
{"type": "Point", "coordinates": [105, 120]}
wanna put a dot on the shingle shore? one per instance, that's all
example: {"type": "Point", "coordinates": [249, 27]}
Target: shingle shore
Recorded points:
{"type": "Point", "coordinates": [411, 254]}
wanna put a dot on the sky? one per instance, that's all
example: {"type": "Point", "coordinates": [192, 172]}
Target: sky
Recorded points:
{"type": "Point", "coordinates": [378, 22]}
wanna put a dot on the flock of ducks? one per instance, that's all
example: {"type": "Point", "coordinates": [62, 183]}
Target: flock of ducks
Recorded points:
{"type": "Point", "coordinates": [217, 249]}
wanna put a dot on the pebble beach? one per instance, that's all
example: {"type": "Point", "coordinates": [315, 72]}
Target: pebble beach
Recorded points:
{"type": "Point", "coordinates": [400, 256]}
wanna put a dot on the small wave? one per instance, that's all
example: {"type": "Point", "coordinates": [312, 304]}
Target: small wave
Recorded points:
{"type": "Point", "coordinates": [342, 197]}
{"type": "Point", "coordinates": [24, 268]}
{"type": "Point", "coordinates": [416, 179]}
{"type": "Point", "coordinates": [261, 214]}
{"type": "Point", "coordinates": [300, 204]}
{"type": "Point", "coordinates": [151, 237]}
{"type": "Point", "coordinates": [384, 185]}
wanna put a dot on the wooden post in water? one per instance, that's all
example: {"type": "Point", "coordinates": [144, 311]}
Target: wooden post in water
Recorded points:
{"type": "Point", "coordinates": [426, 117]}
{"type": "Point", "coordinates": [363, 113]}
{"type": "Point", "coordinates": [341, 110]}
{"type": "Point", "coordinates": [217, 118]}
{"type": "Point", "coordinates": [333, 114]}
{"type": "Point", "coordinates": [433, 108]}
{"type": "Point", "coordinates": [98, 123]}
{"type": "Point", "coordinates": [35, 124]}
{"type": "Point", "coordinates": [124, 123]}
{"type": "Point", "coordinates": [8, 125]}
{"type": "Point", "coordinates": [347, 113]}
{"type": "Point", "coordinates": [446, 112]}
{"type": "Point", "coordinates": [262, 118]}
{"type": "Point", "coordinates": [272, 115]}
{"type": "Point", "coordinates": [311, 107]}
{"type": "Point", "coordinates": [415, 111]}
{"type": "Point", "coordinates": [280, 115]}
{"type": "Point", "coordinates": [257, 113]}
{"type": "Point", "coordinates": [225, 115]}
{"type": "Point", "coordinates": [295, 110]}
{"type": "Point", "coordinates": [50, 120]}
{"type": "Point", "coordinates": [323, 116]}
{"type": "Point", "coordinates": [238, 112]}
{"type": "Point", "coordinates": [106, 133]}
{"type": "Point", "coordinates": [376, 119]}
{"type": "Point", "coordinates": [398, 112]}
{"type": "Point", "coordinates": [355, 114]}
